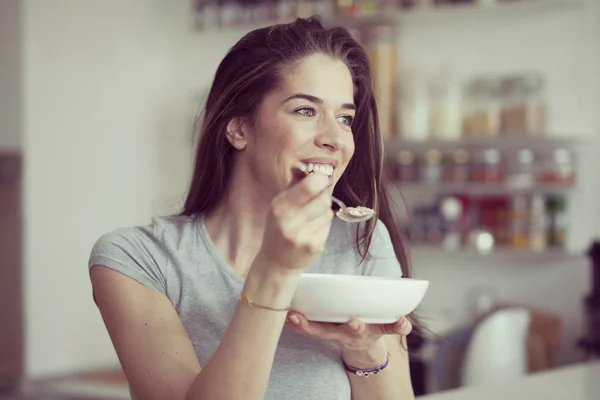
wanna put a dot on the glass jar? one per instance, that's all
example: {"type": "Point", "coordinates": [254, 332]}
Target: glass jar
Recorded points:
{"type": "Point", "coordinates": [413, 105]}
{"type": "Point", "coordinates": [556, 210]}
{"type": "Point", "coordinates": [558, 167]}
{"type": "Point", "coordinates": [518, 222]}
{"type": "Point", "coordinates": [406, 166]}
{"type": "Point", "coordinates": [524, 111]}
{"type": "Point", "coordinates": [430, 168]}
{"type": "Point", "coordinates": [487, 166]}
{"type": "Point", "coordinates": [457, 166]}
{"type": "Point", "coordinates": [482, 108]}
{"type": "Point", "coordinates": [446, 106]}
{"type": "Point", "coordinates": [520, 171]}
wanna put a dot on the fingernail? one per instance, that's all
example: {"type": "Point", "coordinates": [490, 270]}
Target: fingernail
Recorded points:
{"type": "Point", "coordinates": [353, 325]}
{"type": "Point", "coordinates": [294, 320]}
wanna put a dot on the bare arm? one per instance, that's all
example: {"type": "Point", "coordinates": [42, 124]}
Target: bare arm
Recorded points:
{"type": "Point", "coordinates": [157, 355]}
{"type": "Point", "coordinates": [393, 383]}
{"type": "Point", "coordinates": [152, 344]}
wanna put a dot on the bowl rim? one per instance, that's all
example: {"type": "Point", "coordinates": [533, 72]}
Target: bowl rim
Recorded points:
{"type": "Point", "coordinates": [369, 278]}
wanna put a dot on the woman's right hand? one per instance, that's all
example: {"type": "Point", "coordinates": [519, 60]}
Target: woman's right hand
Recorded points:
{"type": "Point", "coordinates": [297, 225]}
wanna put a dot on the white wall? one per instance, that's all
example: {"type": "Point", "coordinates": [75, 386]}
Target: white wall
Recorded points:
{"type": "Point", "coordinates": [99, 84]}
{"type": "Point", "coordinates": [108, 88]}
{"type": "Point", "coordinates": [10, 75]}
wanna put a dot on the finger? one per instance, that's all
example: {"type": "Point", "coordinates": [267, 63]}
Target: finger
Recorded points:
{"type": "Point", "coordinates": [401, 327]}
{"type": "Point", "coordinates": [304, 191]}
{"type": "Point", "coordinates": [314, 209]}
{"type": "Point", "coordinates": [321, 330]}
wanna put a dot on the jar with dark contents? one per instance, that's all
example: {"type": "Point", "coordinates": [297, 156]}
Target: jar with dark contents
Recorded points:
{"type": "Point", "coordinates": [406, 166]}
{"type": "Point", "coordinates": [487, 166]}
{"type": "Point", "coordinates": [457, 166]}
{"type": "Point", "coordinates": [430, 167]}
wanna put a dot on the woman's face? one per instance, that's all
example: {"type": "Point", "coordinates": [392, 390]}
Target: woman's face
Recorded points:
{"type": "Point", "coordinates": [307, 119]}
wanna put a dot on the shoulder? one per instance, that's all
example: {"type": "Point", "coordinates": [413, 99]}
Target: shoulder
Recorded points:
{"type": "Point", "coordinates": [155, 235]}
{"type": "Point", "coordinates": [142, 252]}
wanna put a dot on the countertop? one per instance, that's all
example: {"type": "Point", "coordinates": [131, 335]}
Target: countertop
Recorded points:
{"type": "Point", "coordinates": [575, 382]}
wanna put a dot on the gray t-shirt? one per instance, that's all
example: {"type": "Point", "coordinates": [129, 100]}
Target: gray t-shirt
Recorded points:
{"type": "Point", "coordinates": [176, 256]}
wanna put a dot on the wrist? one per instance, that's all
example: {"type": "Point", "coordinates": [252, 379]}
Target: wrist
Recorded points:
{"type": "Point", "coordinates": [374, 355]}
{"type": "Point", "coordinates": [270, 287]}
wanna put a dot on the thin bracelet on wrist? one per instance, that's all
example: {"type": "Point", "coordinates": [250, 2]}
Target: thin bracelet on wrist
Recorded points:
{"type": "Point", "coordinates": [366, 372]}
{"type": "Point", "coordinates": [246, 300]}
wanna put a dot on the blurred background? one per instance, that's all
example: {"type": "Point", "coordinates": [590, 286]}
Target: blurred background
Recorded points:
{"type": "Point", "coordinates": [490, 111]}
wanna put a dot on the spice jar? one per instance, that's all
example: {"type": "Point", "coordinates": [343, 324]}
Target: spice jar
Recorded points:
{"type": "Point", "coordinates": [556, 209]}
{"type": "Point", "coordinates": [431, 166]}
{"type": "Point", "coordinates": [487, 166]}
{"type": "Point", "coordinates": [406, 168]}
{"type": "Point", "coordinates": [520, 168]}
{"type": "Point", "coordinates": [558, 167]}
{"type": "Point", "coordinates": [457, 166]}
{"type": "Point", "coordinates": [518, 222]}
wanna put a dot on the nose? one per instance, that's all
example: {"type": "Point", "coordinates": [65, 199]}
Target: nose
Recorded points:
{"type": "Point", "coordinates": [330, 135]}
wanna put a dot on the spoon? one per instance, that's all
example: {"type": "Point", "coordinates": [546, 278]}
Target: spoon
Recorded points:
{"type": "Point", "coordinates": [345, 213]}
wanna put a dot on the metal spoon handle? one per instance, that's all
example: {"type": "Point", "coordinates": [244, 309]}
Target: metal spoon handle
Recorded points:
{"type": "Point", "coordinates": [338, 202]}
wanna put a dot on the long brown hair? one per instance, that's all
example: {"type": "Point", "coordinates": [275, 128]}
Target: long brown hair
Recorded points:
{"type": "Point", "coordinates": [249, 71]}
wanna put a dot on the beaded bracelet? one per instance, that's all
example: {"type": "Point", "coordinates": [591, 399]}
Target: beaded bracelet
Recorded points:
{"type": "Point", "coordinates": [365, 373]}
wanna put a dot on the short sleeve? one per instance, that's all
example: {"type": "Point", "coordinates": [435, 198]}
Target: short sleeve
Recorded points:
{"type": "Point", "coordinates": [135, 252]}
{"type": "Point", "coordinates": [381, 259]}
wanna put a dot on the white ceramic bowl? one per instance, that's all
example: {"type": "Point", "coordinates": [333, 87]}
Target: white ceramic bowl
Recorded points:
{"type": "Point", "coordinates": [373, 300]}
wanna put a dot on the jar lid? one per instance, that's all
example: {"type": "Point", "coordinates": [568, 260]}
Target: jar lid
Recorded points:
{"type": "Point", "coordinates": [433, 156]}
{"type": "Point", "coordinates": [525, 156]}
{"type": "Point", "coordinates": [490, 156]}
{"type": "Point", "coordinates": [562, 156]}
{"type": "Point", "coordinates": [405, 157]}
{"type": "Point", "coordinates": [461, 156]}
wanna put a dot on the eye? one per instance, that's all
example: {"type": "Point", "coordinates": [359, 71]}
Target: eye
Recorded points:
{"type": "Point", "coordinates": [306, 111]}
{"type": "Point", "coordinates": [346, 119]}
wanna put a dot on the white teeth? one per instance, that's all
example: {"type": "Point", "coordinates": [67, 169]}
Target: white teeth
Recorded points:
{"type": "Point", "coordinates": [324, 169]}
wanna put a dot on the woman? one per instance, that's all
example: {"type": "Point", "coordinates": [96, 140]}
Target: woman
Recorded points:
{"type": "Point", "coordinates": [197, 305]}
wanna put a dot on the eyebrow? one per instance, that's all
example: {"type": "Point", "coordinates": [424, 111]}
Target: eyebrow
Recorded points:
{"type": "Point", "coordinates": [316, 100]}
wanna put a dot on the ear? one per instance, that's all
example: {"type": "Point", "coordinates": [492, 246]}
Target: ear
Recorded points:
{"type": "Point", "coordinates": [238, 131]}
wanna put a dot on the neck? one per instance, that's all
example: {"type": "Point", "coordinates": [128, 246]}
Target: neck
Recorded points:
{"type": "Point", "coordinates": [237, 225]}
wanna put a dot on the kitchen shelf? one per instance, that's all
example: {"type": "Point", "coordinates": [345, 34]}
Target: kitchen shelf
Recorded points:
{"type": "Point", "coordinates": [503, 10]}
{"type": "Point", "coordinates": [505, 255]}
{"type": "Point", "coordinates": [504, 143]}
{"type": "Point", "coordinates": [475, 189]}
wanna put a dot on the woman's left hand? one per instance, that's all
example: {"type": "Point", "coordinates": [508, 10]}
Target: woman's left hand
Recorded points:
{"type": "Point", "coordinates": [353, 335]}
